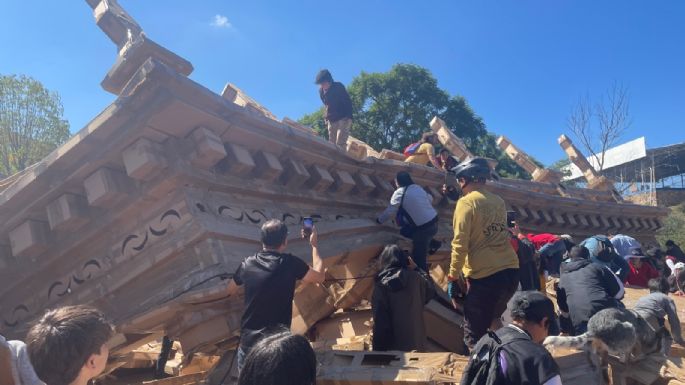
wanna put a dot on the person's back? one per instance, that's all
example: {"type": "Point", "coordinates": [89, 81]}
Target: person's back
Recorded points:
{"type": "Point", "coordinates": [656, 306]}
{"type": "Point", "coordinates": [413, 210]}
{"type": "Point", "coordinates": [587, 288]}
{"type": "Point", "coordinates": [418, 204]}
{"type": "Point", "coordinates": [674, 250]}
{"type": "Point", "coordinates": [488, 240]}
{"type": "Point", "coordinates": [551, 249]}
{"type": "Point", "coordinates": [542, 239]}
{"type": "Point", "coordinates": [422, 154]}
{"type": "Point", "coordinates": [337, 102]}
{"type": "Point", "coordinates": [483, 265]}
{"type": "Point", "coordinates": [602, 252]}
{"type": "Point", "coordinates": [425, 153]}
{"type": "Point", "coordinates": [399, 296]}
{"type": "Point", "coordinates": [528, 271]}
{"type": "Point", "coordinates": [623, 243]}
{"type": "Point", "coordinates": [514, 354]}
{"type": "Point", "coordinates": [269, 278]}
{"type": "Point", "coordinates": [523, 361]}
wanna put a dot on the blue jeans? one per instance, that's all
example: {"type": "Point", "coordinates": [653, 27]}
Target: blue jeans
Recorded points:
{"type": "Point", "coordinates": [551, 255]}
{"type": "Point", "coordinates": [420, 240]}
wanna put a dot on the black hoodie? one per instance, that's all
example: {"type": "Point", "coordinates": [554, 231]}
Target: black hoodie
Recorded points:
{"type": "Point", "coordinates": [337, 102]}
{"type": "Point", "coordinates": [586, 288]}
{"type": "Point", "coordinates": [399, 296]}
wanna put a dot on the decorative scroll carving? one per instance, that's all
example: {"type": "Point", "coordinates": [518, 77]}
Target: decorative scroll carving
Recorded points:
{"type": "Point", "coordinates": [66, 285]}
{"type": "Point", "coordinates": [142, 240]}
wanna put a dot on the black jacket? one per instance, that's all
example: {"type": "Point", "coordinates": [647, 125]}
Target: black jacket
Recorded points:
{"type": "Point", "coordinates": [676, 252]}
{"type": "Point", "coordinates": [337, 102]}
{"type": "Point", "coordinates": [586, 288]}
{"type": "Point", "coordinates": [399, 296]}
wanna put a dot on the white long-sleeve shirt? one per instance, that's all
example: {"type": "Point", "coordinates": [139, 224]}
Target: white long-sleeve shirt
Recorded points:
{"type": "Point", "coordinates": [418, 204]}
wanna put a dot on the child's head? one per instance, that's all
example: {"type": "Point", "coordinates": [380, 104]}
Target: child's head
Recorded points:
{"type": "Point", "coordinates": [69, 343]}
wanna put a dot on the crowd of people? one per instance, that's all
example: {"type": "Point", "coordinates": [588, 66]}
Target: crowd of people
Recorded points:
{"type": "Point", "coordinates": [494, 266]}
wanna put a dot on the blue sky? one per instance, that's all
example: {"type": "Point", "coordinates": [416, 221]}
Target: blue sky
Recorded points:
{"type": "Point", "coordinates": [521, 64]}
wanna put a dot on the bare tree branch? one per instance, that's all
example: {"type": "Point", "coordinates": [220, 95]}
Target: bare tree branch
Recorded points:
{"type": "Point", "coordinates": [611, 115]}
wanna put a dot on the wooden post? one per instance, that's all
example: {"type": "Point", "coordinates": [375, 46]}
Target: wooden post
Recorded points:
{"type": "Point", "coordinates": [522, 159]}
{"type": "Point", "coordinates": [594, 180]}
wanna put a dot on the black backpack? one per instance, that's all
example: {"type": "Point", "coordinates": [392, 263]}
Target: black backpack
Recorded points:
{"type": "Point", "coordinates": [484, 367]}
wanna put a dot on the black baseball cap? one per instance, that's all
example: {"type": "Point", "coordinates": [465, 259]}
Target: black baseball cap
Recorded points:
{"type": "Point", "coordinates": [532, 306]}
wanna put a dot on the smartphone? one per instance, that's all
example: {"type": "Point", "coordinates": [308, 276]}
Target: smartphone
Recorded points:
{"type": "Point", "coordinates": [307, 225]}
{"type": "Point", "coordinates": [512, 216]}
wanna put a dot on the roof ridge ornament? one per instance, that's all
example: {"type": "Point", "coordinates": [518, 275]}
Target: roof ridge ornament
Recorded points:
{"type": "Point", "coordinates": [134, 47]}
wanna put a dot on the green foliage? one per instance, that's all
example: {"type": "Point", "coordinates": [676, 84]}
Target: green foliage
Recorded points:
{"type": "Point", "coordinates": [392, 110]}
{"type": "Point", "coordinates": [31, 122]}
{"type": "Point", "coordinates": [316, 121]}
{"type": "Point", "coordinates": [560, 164]}
{"type": "Point", "coordinates": [673, 226]}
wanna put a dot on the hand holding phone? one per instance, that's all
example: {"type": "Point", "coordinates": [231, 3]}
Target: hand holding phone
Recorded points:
{"type": "Point", "coordinates": [307, 226]}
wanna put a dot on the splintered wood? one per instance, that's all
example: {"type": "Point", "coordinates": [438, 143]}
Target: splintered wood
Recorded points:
{"type": "Point", "coordinates": [358, 368]}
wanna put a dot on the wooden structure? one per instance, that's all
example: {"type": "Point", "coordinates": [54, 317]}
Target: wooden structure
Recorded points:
{"type": "Point", "coordinates": [149, 209]}
{"type": "Point", "coordinates": [450, 141]}
{"type": "Point", "coordinates": [539, 174]}
{"type": "Point", "coordinates": [594, 180]}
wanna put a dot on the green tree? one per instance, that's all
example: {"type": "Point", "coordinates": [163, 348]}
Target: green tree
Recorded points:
{"type": "Point", "coordinates": [31, 122]}
{"type": "Point", "coordinates": [316, 121]}
{"type": "Point", "coordinates": [561, 166]}
{"type": "Point", "coordinates": [673, 226]}
{"type": "Point", "coordinates": [392, 109]}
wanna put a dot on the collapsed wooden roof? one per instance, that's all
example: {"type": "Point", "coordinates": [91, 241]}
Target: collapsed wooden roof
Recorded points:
{"type": "Point", "coordinates": [149, 208]}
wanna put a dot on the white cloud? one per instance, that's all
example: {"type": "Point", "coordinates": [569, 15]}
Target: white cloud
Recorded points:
{"type": "Point", "coordinates": [220, 21]}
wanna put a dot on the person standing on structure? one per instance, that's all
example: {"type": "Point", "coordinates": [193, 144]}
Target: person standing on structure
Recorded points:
{"type": "Point", "coordinates": [338, 108]}
{"type": "Point", "coordinates": [269, 278]}
{"type": "Point", "coordinates": [482, 257]}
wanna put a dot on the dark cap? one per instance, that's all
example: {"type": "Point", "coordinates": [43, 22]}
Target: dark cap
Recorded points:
{"type": "Point", "coordinates": [532, 306]}
{"type": "Point", "coordinates": [634, 252]}
{"type": "Point", "coordinates": [654, 252]}
{"type": "Point", "coordinates": [323, 76]}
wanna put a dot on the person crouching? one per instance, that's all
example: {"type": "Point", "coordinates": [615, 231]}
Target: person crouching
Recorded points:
{"type": "Point", "coordinates": [400, 292]}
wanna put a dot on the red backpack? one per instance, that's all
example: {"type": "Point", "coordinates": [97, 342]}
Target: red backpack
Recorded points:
{"type": "Point", "coordinates": [411, 149]}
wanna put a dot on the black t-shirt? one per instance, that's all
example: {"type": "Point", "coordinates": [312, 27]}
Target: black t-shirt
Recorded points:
{"type": "Point", "coordinates": [269, 278]}
{"type": "Point", "coordinates": [525, 361]}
